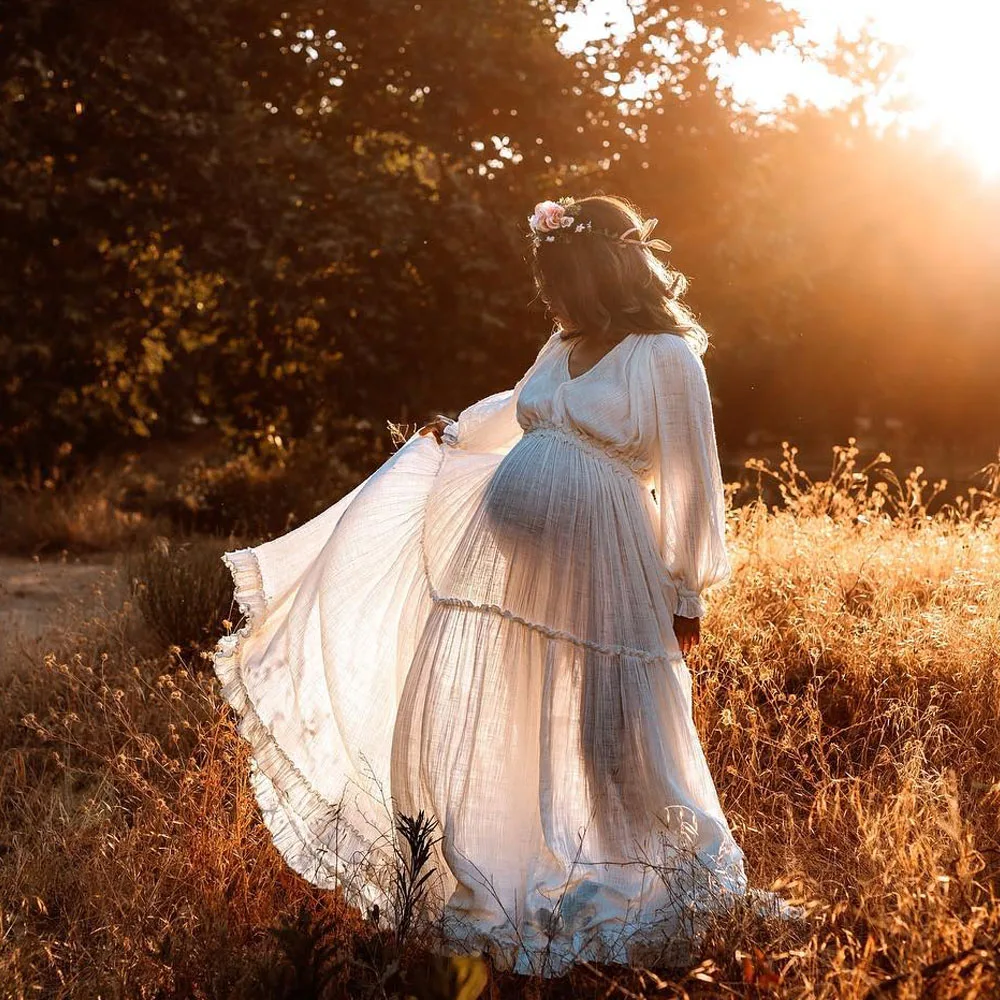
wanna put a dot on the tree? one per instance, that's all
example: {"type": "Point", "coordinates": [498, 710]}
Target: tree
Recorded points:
{"type": "Point", "coordinates": [266, 217]}
{"type": "Point", "coordinates": [209, 209]}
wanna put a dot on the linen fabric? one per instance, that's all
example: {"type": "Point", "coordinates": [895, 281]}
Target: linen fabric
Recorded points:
{"type": "Point", "coordinates": [483, 631]}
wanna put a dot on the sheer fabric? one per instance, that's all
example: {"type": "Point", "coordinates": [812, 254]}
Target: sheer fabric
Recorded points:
{"type": "Point", "coordinates": [483, 631]}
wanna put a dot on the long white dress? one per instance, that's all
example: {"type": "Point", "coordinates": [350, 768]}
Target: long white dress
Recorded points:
{"type": "Point", "coordinates": [483, 630]}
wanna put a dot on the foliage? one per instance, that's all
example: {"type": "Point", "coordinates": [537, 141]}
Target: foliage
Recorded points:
{"type": "Point", "coordinates": [269, 219]}
{"type": "Point", "coordinates": [198, 225]}
{"type": "Point", "coordinates": [181, 590]}
{"type": "Point", "coordinates": [847, 694]}
{"type": "Point", "coordinates": [263, 494]}
{"type": "Point", "coordinates": [412, 870]}
{"type": "Point", "coordinates": [850, 290]}
{"type": "Point", "coordinates": [313, 958]}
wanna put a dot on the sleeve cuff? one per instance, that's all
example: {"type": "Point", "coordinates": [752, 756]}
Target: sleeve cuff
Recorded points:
{"type": "Point", "coordinates": [689, 604]}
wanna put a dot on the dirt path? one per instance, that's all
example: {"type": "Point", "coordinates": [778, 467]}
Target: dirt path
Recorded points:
{"type": "Point", "coordinates": [36, 595]}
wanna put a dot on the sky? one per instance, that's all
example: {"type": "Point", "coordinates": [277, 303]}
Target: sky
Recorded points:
{"type": "Point", "coordinates": [950, 70]}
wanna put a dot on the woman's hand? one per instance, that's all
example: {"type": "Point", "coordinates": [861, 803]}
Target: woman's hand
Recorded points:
{"type": "Point", "coordinates": [435, 427]}
{"type": "Point", "coordinates": [688, 632]}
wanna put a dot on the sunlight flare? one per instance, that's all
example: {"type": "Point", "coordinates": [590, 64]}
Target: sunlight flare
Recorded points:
{"type": "Point", "coordinates": [947, 81]}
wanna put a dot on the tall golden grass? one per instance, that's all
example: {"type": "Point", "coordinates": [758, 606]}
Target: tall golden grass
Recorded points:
{"type": "Point", "coordinates": [847, 691]}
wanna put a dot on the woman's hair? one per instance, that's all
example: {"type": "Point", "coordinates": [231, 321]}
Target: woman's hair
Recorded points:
{"type": "Point", "coordinates": [599, 285]}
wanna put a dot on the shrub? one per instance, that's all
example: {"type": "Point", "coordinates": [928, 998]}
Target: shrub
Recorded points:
{"type": "Point", "coordinates": [183, 591]}
{"type": "Point", "coordinates": [79, 518]}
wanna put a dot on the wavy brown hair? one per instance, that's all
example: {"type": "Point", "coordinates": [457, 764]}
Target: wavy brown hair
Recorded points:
{"type": "Point", "coordinates": [598, 286]}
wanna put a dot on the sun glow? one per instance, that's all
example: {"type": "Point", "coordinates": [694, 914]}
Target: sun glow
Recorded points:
{"type": "Point", "coordinates": [953, 71]}
{"type": "Point", "coordinates": [948, 81]}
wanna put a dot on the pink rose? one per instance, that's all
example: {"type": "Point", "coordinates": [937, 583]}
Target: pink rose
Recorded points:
{"type": "Point", "coordinates": [548, 217]}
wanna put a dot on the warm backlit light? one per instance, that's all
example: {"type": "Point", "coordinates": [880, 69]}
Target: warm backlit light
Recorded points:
{"type": "Point", "coordinates": [953, 71]}
{"type": "Point", "coordinates": [949, 78]}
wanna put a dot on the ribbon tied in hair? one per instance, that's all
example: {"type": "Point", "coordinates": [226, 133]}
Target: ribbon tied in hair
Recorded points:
{"type": "Point", "coordinates": [644, 241]}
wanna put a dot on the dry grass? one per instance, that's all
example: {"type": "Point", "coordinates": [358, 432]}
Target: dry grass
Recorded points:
{"type": "Point", "coordinates": [79, 518]}
{"type": "Point", "coordinates": [848, 693]}
{"type": "Point", "coordinates": [181, 590]}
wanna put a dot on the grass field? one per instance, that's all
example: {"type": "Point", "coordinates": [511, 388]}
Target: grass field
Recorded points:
{"type": "Point", "coordinates": [847, 692]}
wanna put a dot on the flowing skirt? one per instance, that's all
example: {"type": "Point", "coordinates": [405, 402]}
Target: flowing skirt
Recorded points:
{"type": "Point", "coordinates": [487, 640]}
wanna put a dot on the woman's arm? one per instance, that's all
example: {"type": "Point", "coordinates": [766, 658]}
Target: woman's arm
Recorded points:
{"type": "Point", "coordinates": [687, 477]}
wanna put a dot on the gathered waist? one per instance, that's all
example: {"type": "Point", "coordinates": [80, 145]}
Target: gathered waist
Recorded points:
{"type": "Point", "coordinates": [618, 461]}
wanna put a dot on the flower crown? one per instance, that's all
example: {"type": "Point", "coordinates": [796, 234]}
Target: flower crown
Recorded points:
{"type": "Point", "coordinates": [552, 223]}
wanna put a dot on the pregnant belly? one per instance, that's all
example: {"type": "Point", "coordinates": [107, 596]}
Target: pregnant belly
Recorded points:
{"type": "Point", "coordinates": [518, 498]}
{"type": "Point", "coordinates": [552, 491]}
{"type": "Point", "coordinates": [560, 534]}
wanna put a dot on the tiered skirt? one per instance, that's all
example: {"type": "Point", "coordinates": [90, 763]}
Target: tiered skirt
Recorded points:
{"type": "Point", "coordinates": [487, 640]}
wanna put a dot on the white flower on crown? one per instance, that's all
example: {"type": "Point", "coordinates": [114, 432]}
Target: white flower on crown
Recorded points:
{"type": "Point", "coordinates": [548, 216]}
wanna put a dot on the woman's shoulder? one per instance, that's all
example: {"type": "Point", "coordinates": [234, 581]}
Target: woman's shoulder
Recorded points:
{"type": "Point", "coordinates": [673, 349]}
{"type": "Point", "coordinates": [674, 367]}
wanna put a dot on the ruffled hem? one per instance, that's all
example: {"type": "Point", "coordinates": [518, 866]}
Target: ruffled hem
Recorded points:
{"type": "Point", "coordinates": [551, 942]}
{"type": "Point", "coordinates": [310, 844]}
{"type": "Point", "coordinates": [248, 593]}
{"type": "Point", "coordinates": [535, 953]}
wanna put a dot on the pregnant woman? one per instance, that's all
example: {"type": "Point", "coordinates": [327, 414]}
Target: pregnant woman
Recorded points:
{"type": "Point", "coordinates": [491, 629]}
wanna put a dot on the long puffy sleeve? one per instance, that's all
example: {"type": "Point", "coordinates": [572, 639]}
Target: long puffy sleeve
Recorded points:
{"type": "Point", "coordinates": [490, 426]}
{"type": "Point", "coordinates": [687, 477]}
